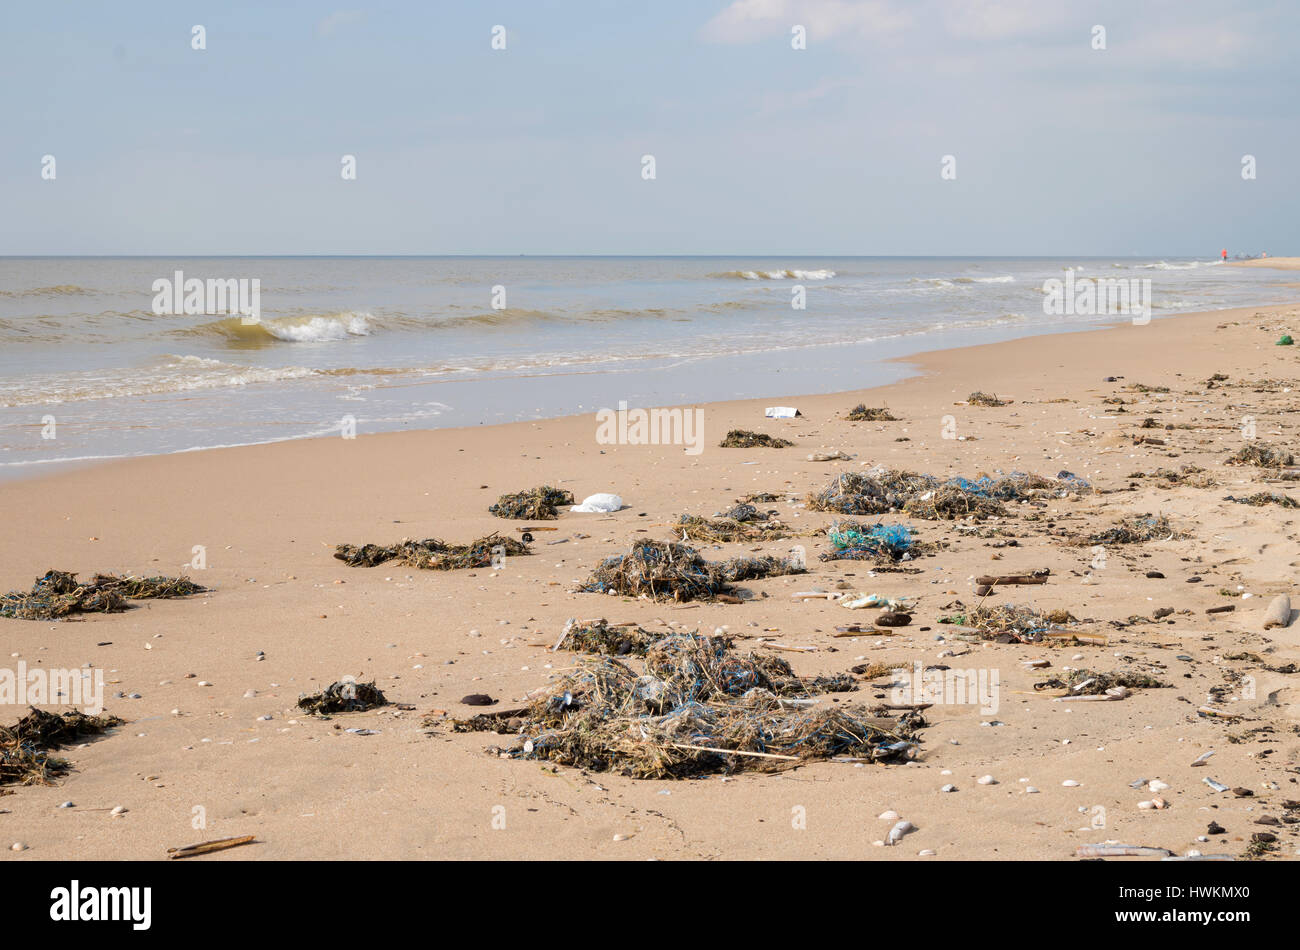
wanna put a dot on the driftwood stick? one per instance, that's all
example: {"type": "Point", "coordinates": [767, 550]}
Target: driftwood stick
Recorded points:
{"type": "Point", "coordinates": [207, 847]}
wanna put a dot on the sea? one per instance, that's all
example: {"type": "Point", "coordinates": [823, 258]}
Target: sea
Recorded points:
{"type": "Point", "coordinates": [108, 357]}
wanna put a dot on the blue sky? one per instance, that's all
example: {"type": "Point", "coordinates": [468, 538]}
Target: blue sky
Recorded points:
{"type": "Point", "coordinates": [759, 148]}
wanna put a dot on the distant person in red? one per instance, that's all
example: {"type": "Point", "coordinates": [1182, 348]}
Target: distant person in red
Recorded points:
{"type": "Point", "coordinates": [1225, 253]}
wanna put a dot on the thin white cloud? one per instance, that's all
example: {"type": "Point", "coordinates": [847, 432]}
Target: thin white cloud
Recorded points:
{"type": "Point", "coordinates": [747, 21]}
{"type": "Point", "coordinates": [337, 20]}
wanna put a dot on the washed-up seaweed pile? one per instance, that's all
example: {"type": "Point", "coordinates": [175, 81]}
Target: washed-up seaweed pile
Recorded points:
{"type": "Point", "coordinates": [1025, 624]}
{"type": "Point", "coordinates": [698, 708]}
{"type": "Point", "coordinates": [1263, 456]}
{"type": "Point", "coordinates": [1191, 476]}
{"type": "Point", "coordinates": [1262, 498]}
{"type": "Point", "coordinates": [924, 496]}
{"type": "Point", "coordinates": [343, 696]}
{"type": "Point", "coordinates": [860, 413]}
{"type": "Point", "coordinates": [432, 554]}
{"type": "Point", "coordinates": [1092, 683]}
{"type": "Point", "coordinates": [668, 570]}
{"type": "Point", "coordinates": [25, 747]}
{"type": "Point", "coordinates": [745, 439]}
{"type": "Point", "coordinates": [854, 541]}
{"type": "Point", "coordinates": [1144, 388]}
{"type": "Point", "coordinates": [696, 528]}
{"type": "Point", "coordinates": [538, 504]}
{"type": "Point", "coordinates": [984, 399]}
{"type": "Point", "coordinates": [1135, 529]}
{"type": "Point", "coordinates": [59, 594]}
{"type": "Point", "coordinates": [600, 636]}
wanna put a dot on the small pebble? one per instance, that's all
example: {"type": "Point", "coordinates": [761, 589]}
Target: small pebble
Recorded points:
{"type": "Point", "coordinates": [948, 788]}
{"type": "Point", "coordinates": [987, 780]}
{"type": "Point", "coordinates": [1070, 783]}
{"type": "Point", "coordinates": [118, 810]}
{"type": "Point", "coordinates": [18, 846]}
{"type": "Point", "coordinates": [67, 805]}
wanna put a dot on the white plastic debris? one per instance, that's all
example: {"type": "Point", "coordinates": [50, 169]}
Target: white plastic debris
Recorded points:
{"type": "Point", "coordinates": [601, 501]}
{"type": "Point", "coordinates": [780, 412]}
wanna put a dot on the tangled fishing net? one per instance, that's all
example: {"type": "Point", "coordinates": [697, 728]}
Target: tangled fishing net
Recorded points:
{"type": "Point", "coordinates": [59, 594]}
{"type": "Point", "coordinates": [925, 496]}
{"type": "Point", "coordinates": [669, 570]}
{"type": "Point", "coordinates": [538, 504]}
{"type": "Point", "coordinates": [853, 541]}
{"type": "Point", "coordinates": [432, 554]}
{"type": "Point", "coordinates": [696, 528]}
{"type": "Point", "coordinates": [696, 708]}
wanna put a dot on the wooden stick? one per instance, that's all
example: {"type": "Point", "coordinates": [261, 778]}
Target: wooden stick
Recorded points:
{"type": "Point", "coordinates": [994, 580]}
{"type": "Point", "coordinates": [537, 527]}
{"type": "Point", "coordinates": [207, 847]}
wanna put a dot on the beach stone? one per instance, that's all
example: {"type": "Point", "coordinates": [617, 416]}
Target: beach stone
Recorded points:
{"type": "Point", "coordinates": [1070, 783]}
{"type": "Point", "coordinates": [118, 810]}
{"type": "Point", "coordinates": [948, 788]}
{"type": "Point", "coordinates": [18, 846]}
{"type": "Point", "coordinates": [987, 780]}
{"type": "Point", "coordinates": [67, 805]}
{"type": "Point", "coordinates": [1030, 790]}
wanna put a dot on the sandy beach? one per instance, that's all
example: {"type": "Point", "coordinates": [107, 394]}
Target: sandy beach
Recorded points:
{"type": "Point", "coordinates": [199, 757]}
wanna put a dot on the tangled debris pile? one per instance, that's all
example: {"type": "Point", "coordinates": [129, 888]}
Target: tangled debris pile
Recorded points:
{"type": "Point", "coordinates": [25, 746]}
{"type": "Point", "coordinates": [860, 413]}
{"type": "Point", "coordinates": [984, 399]}
{"type": "Point", "coordinates": [1091, 683]}
{"type": "Point", "coordinates": [600, 636]}
{"type": "Point", "coordinates": [1010, 622]}
{"type": "Point", "coordinates": [1261, 498]}
{"type": "Point", "coordinates": [432, 554]}
{"type": "Point", "coordinates": [1191, 476]}
{"type": "Point", "coordinates": [668, 570]}
{"type": "Point", "coordinates": [696, 528]}
{"type": "Point", "coordinates": [59, 594]}
{"type": "Point", "coordinates": [343, 696]}
{"type": "Point", "coordinates": [924, 496]}
{"type": "Point", "coordinates": [698, 708]}
{"type": "Point", "coordinates": [538, 504]}
{"type": "Point", "coordinates": [1264, 456]}
{"type": "Point", "coordinates": [854, 541]}
{"type": "Point", "coordinates": [1135, 529]}
{"type": "Point", "coordinates": [744, 439]}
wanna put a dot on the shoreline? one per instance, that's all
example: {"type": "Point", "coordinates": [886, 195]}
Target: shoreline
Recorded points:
{"type": "Point", "coordinates": [267, 518]}
{"type": "Point", "coordinates": [908, 364]}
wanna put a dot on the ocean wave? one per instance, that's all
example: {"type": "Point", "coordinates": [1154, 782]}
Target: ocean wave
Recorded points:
{"type": "Point", "coordinates": [300, 329]}
{"type": "Point", "coordinates": [787, 274]}
{"type": "Point", "coordinates": [59, 290]}
{"type": "Point", "coordinates": [172, 374]}
{"type": "Point", "coordinates": [1186, 265]}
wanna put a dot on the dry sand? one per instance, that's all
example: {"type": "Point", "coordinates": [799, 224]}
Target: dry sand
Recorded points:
{"type": "Point", "coordinates": [269, 517]}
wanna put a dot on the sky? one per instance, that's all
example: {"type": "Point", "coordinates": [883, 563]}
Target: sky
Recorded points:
{"type": "Point", "coordinates": [1058, 147]}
